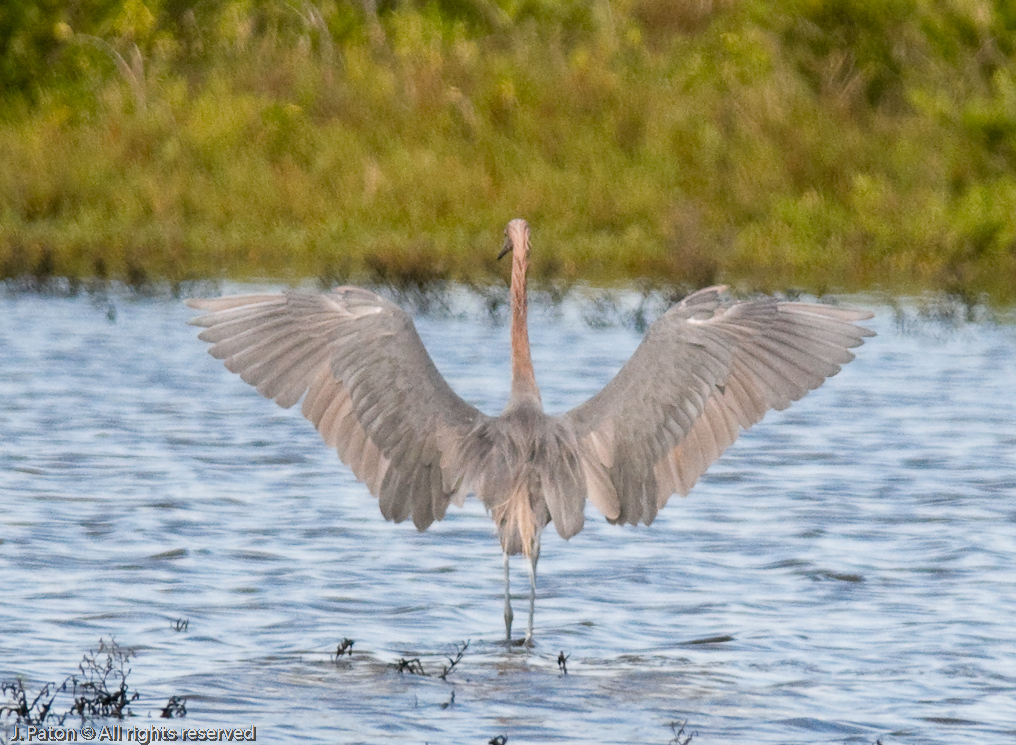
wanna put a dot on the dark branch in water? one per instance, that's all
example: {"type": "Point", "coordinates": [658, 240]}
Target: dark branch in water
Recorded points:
{"type": "Point", "coordinates": [679, 737]}
{"type": "Point", "coordinates": [92, 694]}
{"type": "Point", "coordinates": [98, 690]}
{"type": "Point", "coordinates": [413, 666]}
{"type": "Point", "coordinates": [562, 662]}
{"type": "Point", "coordinates": [176, 707]}
{"type": "Point", "coordinates": [452, 662]}
{"type": "Point", "coordinates": [344, 647]}
{"type": "Point", "coordinates": [35, 712]}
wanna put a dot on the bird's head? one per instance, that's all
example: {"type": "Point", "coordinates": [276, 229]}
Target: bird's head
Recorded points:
{"type": "Point", "coordinates": [516, 238]}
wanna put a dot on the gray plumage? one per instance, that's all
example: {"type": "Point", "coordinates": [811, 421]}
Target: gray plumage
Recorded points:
{"type": "Point", "coordinates": [706, 370]}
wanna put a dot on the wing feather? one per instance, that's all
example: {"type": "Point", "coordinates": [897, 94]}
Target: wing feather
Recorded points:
{"type": "Point", "coordinates": [367, 383]}
{"type": "Point", "coordinates": [706, 370]}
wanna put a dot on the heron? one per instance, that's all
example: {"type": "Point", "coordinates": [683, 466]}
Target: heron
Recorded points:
{"type": "Point", "coordinates": [707, 369]}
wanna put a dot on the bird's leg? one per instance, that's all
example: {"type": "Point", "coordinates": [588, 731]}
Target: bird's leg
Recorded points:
{"type": "Point", "coordinates": [534, 557]}
{"type": "Point", "coordinates": [508, 615]}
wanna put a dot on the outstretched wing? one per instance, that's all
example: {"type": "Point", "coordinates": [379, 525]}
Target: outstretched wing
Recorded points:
{"type": "Point", "coordinates": [371, 389]}
{"type": "Point", "coordinates": [706, 370]}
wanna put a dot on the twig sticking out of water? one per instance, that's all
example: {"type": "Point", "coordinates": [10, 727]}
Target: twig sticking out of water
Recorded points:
{"type": "Point", "coordinates": [35, 712]}
{"type": "Point", "coordinates": [100, 691]}
{"type": "Point", "coordinates": [562, 662]}
{"type": "Point", "coordinates": [92, 695]}
{"type": "Point", "coordinates": [679, 737]}
{"type": "Point", "coordinates": [415, 667]}
{"type": "Point", "coordinates": [449, 702]}
{"type": "Point", "coordinates": [175, 707]}
{"type": "Point", "coordinates": [344, 647]}
{"type": "Point", "coordinates": [180, 624]}
{"type": "Point", "coordinates": [412, 666]}
{"type": "Point", "coordinates": [452, 662]}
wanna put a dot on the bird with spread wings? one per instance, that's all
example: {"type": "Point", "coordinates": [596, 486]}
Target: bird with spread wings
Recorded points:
{"type": "Point", "coordinates": [706, 370]}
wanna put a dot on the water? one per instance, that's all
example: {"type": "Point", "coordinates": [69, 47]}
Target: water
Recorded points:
{"type": "Point", "coordinates": [853, 559]}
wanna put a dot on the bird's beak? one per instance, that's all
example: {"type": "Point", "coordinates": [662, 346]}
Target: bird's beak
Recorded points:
{"type": "Point", "coordinates": [506, 249]}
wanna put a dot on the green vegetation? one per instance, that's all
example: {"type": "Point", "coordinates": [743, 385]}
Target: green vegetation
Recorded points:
{"type": "Point", "coordinates": [839, 144]}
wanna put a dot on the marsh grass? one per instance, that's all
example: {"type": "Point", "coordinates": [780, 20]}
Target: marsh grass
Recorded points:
{"type": "Point", "coordinates": [823, 146]}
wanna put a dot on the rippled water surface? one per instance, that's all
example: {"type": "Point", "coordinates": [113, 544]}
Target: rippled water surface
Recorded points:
{"type": "Point", "coordinates": [853, 559]}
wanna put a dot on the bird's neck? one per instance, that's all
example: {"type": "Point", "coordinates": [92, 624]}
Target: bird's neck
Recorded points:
{"type": "Point", "coordinates": [523, 376]}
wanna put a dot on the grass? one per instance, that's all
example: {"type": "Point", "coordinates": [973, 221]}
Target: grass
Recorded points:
{"type": "Point", "coordinates": [824, 146]}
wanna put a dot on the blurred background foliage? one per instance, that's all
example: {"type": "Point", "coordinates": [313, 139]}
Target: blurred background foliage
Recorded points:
{"type": "Point", "coordinates": [814, 144]}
